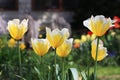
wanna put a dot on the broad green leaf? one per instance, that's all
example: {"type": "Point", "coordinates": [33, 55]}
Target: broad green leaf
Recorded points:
{"type": "Point", "coordinates": [20, 77]}
{"type": "Point", "coordinates": [37, 70]}
{"type": "Point", "coordinates": [74, 73]}
{"type": "Point", "coordinates": [57, 71]}
{"type": "Point", "coordinates": [83, 75]}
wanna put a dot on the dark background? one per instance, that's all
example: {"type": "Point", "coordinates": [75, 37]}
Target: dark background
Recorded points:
{"type": "Point", "coordinates": [108, 8]}
{"type": "Point", "coordinates": [82, 9]}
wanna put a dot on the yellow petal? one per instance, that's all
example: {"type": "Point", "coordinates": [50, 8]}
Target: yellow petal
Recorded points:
{"type": "Point", "coordinates": [77, 41]}
{"type": "Point", "coordinates": [40, 46]}
{"type": "Point", "coordinates": [17, 29]}
{"type": "Point", "coordinates": [56, 37]}
{"type": "Point", "coordinates": [11, 43]}
{"type": "Point", "coordinates": [13, 29]}
{"type": "Point", "coordinates": [98, 24]}
{"type": "Point", "coordinates": [83, 38]}
{"type": "Point", "coordinates": [22, 46]}
{"type": "Point", "coordinates": [65, 48]}
{"type": "Point", "coordinates": [102, 51]}
{"type": "Point", "coordinates": [23, 28]}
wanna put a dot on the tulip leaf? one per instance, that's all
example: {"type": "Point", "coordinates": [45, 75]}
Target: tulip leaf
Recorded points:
{"type": "Point", "coordinates": [37, 70]}
{"type": "Point", "coordinates": [83, 75]}
{"type": "Point", "coordinates": [74, 73]}
{"type": "Point", "coordinates": [57, 71]}
{"type": "Point", "coordinates": [20, 77]}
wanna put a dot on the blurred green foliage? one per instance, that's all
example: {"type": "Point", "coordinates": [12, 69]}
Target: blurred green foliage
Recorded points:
{"type": "Point", "coordinates": [79, 58]}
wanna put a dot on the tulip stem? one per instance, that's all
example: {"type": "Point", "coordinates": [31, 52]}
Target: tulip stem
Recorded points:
{"type": "Point", "coordinates": [42, 63]}
{"type": "Point", "coordinates": [63, 68]}
{"type": "Point", "coordinates": [95, 66]}
{"type": "Point", "coordinates": [55, 63]}
{"type": "Point", "coordinates": [20, 66]}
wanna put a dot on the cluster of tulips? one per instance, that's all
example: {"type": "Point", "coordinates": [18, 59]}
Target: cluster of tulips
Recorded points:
{"type": "Point", "coordinates": [61, 43]}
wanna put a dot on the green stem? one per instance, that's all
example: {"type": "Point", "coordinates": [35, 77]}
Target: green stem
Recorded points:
{"type": "Point", "coordinates": [20, 66]}
{"type": "Point", "coordinates": [42, 63]}
{"type": "Point", "coordinates": [49, 76]}
{"type": "Point", "coordinates": [88, 71]}
{"type": "Point", "coordinates": [55, 64]}
{"type": "Point", "coordinates": [63, 69]}
{"type": "Point", "coordinates": [95, 66]}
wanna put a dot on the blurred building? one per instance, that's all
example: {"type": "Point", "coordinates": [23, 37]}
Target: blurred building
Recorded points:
{"type": "Point", "coordinates": [73, 11]}
{"type": "Point", "coordinates": [37, 8]}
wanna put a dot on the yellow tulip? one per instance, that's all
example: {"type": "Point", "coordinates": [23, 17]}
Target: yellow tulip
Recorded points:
{"type": "Point", "coordinates": [40, 35]}
{"type": "Point", "coordinates": [93, 36]}
{"type": "Point", "coordinates": [65, 48]}
{"type": "Point", "coordinates": [77, 41]}
{"type": "Point", "coordinates": [98, 24]}
{"type": "Point", "coordinates": [83, 38]}
{"type": "Point", "coordinates": [40, 46]}
{"type": "Point", "coordinates": [11, 43]}
{"type": "Point", "coordinates": [102, 51]}
{"type": "Point", "coordinates": [57, 37]}
{"type": "Point", "coordinates": [113, 33]}
{"type": "Point", "coordinates": [17, 29]}
{"type": "Point", "coordinates": [22, 46]}
{"type": "Point", "coordinates": [88, 36]}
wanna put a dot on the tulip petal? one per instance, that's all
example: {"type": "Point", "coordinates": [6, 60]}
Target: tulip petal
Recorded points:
{"type": "Point", "coordinates": [40, 46]}
{"type": "Point", "coordinates": [98, 24]}
{"type": "Point", "coordinates": [56, 37]}
{"type": "Point", "coordinates": [102, 51]}
{"type": "Point", "coordinates": [17, 29]}
{"type": "Point", "coordinates": [65, 48]}
{"type": "Point", "coordinates": [12, 28]}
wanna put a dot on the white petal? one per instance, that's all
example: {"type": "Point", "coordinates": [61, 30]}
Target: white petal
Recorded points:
{"type": "Point", "coordinates": [86, 23]}
{"type": "Point", "coordinates": [48, 29]}
{"type": "Point", "coordinates": [65, 32]}
{"type": "Point", "coordinates": [25, 22]}
{"type": "Point", "coordinates": [16, 21]}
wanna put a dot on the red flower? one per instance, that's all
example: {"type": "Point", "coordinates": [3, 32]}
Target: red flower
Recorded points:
{"type": "Point", "coordinates": [117, 22]}
{"type": "Point", "coordinates": [89, 33]}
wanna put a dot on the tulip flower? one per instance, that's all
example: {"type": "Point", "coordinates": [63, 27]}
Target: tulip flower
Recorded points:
{"type": "Point", "coordinates": [17, 29]}
{"type": "Point", "coordinates": [76, 43]}
{"type": "Point", "coordinates": [40, 46]}
{"type": "Point", "coordinates": [57, 37]}
{"type": "Point", "coordinates": [83, 38]}
{"type": "Point", "coordinates": [98, 24]}
{"type": "Point", "coordinates": [63, 51]}
{"type": "Point", "coordinates": [117, 22]}
{"type": "Point", "coordinates": [65, 48]}
{"type": "Point", "coordinates": [11, 43]}
{"type": "Point", "coordinates": [22, 46]}
{"type": "Point", "coordinates": [102, 51]}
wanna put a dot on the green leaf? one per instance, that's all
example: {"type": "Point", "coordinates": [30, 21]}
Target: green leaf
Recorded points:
{"type": "Point", "coordinates": [57, 71]}
{"type": "Point", "coordinates": [83, 75]}
{"type": "Point", "coordinates": [37, 70]}
{"type": "Point", "coordinates": [20, 77]}
{"type": "Point", "coordinates": [74, 73]}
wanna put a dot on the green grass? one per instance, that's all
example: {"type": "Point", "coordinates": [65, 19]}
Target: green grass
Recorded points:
{"type": "Point", "coordinates": [108, 73]}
